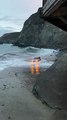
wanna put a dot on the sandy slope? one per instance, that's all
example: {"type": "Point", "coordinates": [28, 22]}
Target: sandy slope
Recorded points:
{"type": "Point", "coordinates": [18, 103]}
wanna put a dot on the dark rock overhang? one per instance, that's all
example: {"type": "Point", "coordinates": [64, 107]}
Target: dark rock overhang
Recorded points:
{"type": "Point", "coordinates": [56, 14]}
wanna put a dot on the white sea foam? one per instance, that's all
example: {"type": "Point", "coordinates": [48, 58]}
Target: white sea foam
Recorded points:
{"type": "Point", "coordinates": [11, 56]}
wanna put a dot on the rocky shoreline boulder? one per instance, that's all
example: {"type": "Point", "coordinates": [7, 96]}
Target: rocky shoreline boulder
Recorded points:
{"type": "Point", "coordinates": [51, 86]}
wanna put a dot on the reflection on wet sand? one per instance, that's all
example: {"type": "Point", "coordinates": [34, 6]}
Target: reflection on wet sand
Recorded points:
{"type": "Point", "coordinates": [35, 67]}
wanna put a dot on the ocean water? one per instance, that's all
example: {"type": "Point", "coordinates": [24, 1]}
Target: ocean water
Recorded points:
{"type": "Point", "coordinates": [13, 56]}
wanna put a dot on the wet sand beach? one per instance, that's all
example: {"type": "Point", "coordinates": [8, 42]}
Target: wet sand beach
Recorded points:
{"type": "Point", "coordinates": [16, 100]}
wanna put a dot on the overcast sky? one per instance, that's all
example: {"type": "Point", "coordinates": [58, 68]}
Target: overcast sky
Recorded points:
{"type": "Point", "coordinates": [13, 13]}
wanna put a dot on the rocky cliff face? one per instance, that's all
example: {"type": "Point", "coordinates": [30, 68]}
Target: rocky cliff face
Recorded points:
{"type": "Point", "coordinates": [9, 37]}
{"type": "Point", "coordinates": [30, 34]}
{"type": "Point", "coordinates": [39, 33]}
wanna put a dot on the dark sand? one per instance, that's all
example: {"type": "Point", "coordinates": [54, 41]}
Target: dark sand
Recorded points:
{"type": "Point", "coordinates": [17, 101]}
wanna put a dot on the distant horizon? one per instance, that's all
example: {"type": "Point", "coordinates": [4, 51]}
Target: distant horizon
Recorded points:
{"type": "Point", "coordinates": [14, 13]}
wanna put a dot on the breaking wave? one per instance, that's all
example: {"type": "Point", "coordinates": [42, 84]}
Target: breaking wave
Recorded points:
{"type": "Point", "coordinates": [11, 56]}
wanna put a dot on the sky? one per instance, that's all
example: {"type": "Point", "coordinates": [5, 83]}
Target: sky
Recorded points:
{"type": "Point", "coordinates": [13, 13]}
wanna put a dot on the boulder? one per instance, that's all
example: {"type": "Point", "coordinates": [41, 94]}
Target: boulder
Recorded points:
{"type": "Point", "coordinates": [51, 86]}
